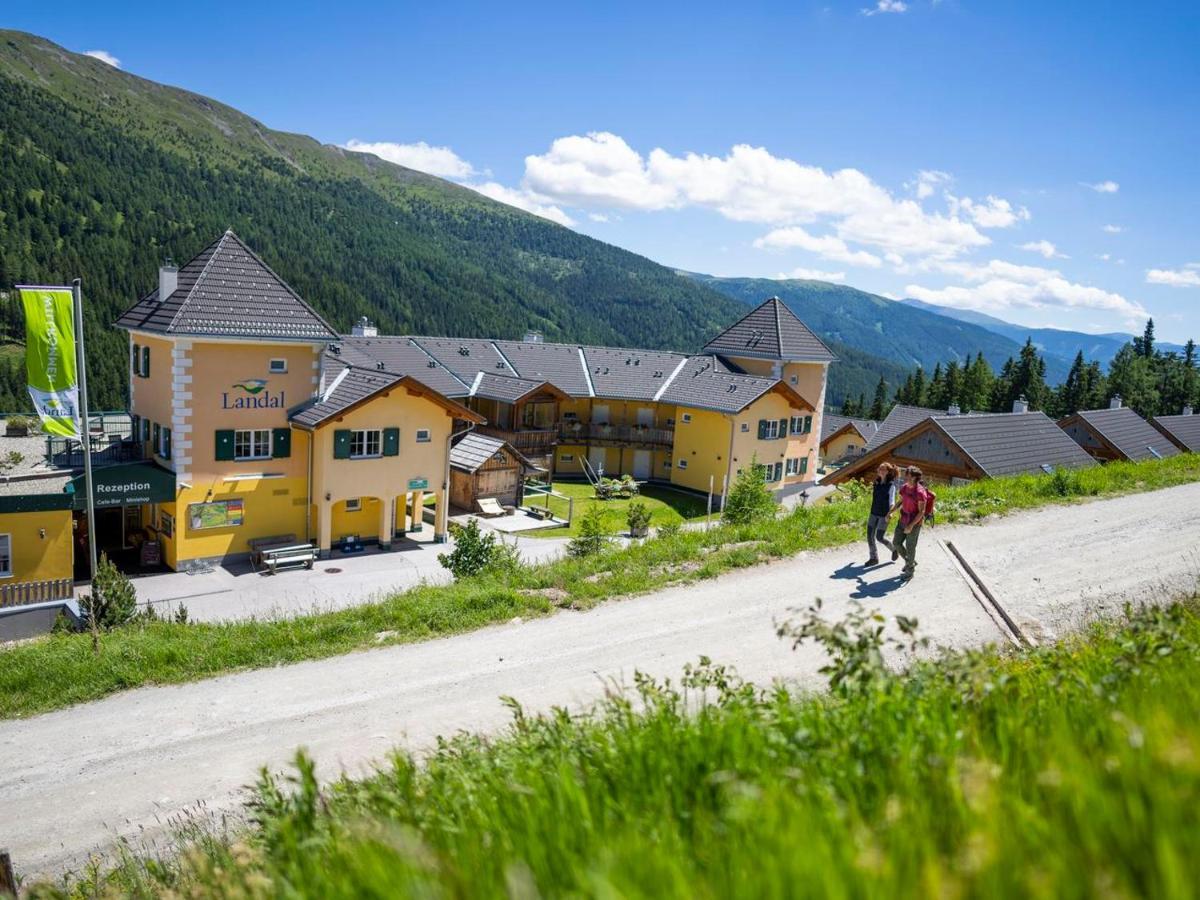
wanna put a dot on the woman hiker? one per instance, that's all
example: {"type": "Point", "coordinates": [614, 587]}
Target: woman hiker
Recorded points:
{"type": "Point", "coordinates": [883, 498]}
{"type": "Point", "coordinates": [914, 499]}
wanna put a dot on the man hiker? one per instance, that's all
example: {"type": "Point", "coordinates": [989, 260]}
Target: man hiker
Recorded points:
{"type": "Point", "coordinates": [913, 502]}
{"type": "Point", "coordinates": [883, 498]}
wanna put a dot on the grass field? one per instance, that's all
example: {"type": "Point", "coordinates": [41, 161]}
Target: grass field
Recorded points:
{"type": "Point", "coordinates": [61, 670]}
{"type": "Point", "coordinates": [667, 507]}
{"type": "Point", "coordinates": [1070, 771]}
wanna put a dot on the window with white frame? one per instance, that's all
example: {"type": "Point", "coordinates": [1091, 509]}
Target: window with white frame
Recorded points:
{"type": "Point", "coordinates": [683, 464]}
{"type": "Point", "coordinates": [5, 555]}
{"type": "Point", "coordinates": [423, 436]}
{"type": "Point", "coordinates": [277, 366]}
{"type": "Point", "coordinates": [801, 424]}
{"type": "Point", "coordinates": [793, 466]}
{"type": "Point", "coordinates": [366, 443]}
{"type": "Point", "coordinates": [745, 426]}
{"type": "Point", "coordinates": [770, 429]}
{"type": "Point", "coordinates": [252, 443]}
{"type": "Point", "coordinates": [354, 504]}
{"type": "Point", "coordinates": [685, 418]}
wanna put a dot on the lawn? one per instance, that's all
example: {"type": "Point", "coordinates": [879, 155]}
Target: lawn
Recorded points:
{"type": "Point", "coordinates": [61, 670]}
{"type": "Point", "coordinates": [1063, 772]}
{"type": "Point", "coordinates": [667, 507]}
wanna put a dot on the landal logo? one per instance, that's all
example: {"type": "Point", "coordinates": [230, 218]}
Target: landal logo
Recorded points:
{"type": "Point", "coordinates": [256, 396]}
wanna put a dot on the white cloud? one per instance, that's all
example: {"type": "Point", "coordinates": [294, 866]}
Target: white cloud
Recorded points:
{"type": "Point", "coordinates": [812, 275]}
{"type": "Point", "coordinates": [992, 212]}
{"type": "Point", "coordinates": [1112, 229]}
{"type": "Point", "coordinates": [104, 56]}
{"type": "Point", "coordinates": [1044, 247]}
{"type": "Point", "coordinates": [1185, 277]}
{"type": "Point", "coordinates": [1102, 187]}
{"type": "Point", "coordinates": [598, 169]}
{"type": "Point", "coordinates": [927, 182]}
{"type": "Point", "coordinates": [599, 217]}
{"type": "Point", "coordinates": [440, 161]}
{"type": "Point", "coordinates": [523, 199]}
{"type": "Point", "coordinates": [1000, 285]}
{"type": "Point", "coordinates": [886, 6]}
{"type": "Point", "coordinates": [826, 246]}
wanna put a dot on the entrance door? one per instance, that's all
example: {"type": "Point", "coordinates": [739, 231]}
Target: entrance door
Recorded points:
{"type": "Point", "coordinates": [596, 456]}
{"type": "Point", "coordinates": [642, 462]}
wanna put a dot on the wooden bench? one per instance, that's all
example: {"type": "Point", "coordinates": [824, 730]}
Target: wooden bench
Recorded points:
{"type": "Point", "coordinates": [258, 545]}
{"type": "Point", "coordinates": [289, 557]}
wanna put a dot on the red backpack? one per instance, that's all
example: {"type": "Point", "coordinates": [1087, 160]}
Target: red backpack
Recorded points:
{"type": "Point", "coordinates": [929, 504]}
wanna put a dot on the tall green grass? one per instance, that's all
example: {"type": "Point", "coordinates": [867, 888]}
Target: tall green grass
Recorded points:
{"type": "Point", "coordinates": [1071, 771]}
{"type": "Point", "coordinates": [62, 670]}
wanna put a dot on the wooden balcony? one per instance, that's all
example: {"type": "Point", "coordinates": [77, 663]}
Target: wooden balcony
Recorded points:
{"type": "Point", "coordinates": [617, 435]}
{"type": "Point", "coordinates": [537, 442]}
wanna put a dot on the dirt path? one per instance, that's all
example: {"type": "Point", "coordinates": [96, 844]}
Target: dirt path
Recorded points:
{"type": "Point", "coordinates": [124, 766]}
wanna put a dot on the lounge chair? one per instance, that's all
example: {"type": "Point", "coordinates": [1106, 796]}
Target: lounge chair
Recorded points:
{"type": "Point", "coordinates": [489, 506]}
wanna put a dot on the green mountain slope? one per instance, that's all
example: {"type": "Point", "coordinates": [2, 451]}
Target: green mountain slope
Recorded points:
{"type": "Point", "coordinates": [905, 335]}
{"type": "Point", "coordinates": [103, 174]}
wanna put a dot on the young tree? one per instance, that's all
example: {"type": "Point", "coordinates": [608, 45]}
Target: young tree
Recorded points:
{"type": "Point", "coordinates": [472, 553]}
{"type": "Point", "coordinates": [593, 536]}
{"type": "Point", "coordinates": [880, 405]}
{"type": "Point", "coordinates": [978, 383]}
{"type": "Point", "coordinates": [749, 499]}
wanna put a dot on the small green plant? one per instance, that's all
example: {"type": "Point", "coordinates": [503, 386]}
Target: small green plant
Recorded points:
{"type": "Point", "coordinates": [637, 517]}
{"type": "Point", "coordinates": [473, 551]}
{"type": "Point", "coordinates": [749, 500]}
{"type": "Point", "coordinates": [181, 615]}
{"type": "Point", "coordinates": [112, 601]}
{"type": "Point", "coordinates": [593, 537]}
{"type": "Point", "coordinates": [669, 530]}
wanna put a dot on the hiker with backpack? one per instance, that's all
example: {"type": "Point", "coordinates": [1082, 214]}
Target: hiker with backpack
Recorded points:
{"type": "Point", "coordinates": [883, 498]}
{"type": "Point", "coordinates": [915, 504]}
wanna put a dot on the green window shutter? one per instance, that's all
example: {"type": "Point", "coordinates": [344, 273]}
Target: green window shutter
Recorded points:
{"type": "Point", "coordinates": [807, 424]}
{"type": "Point", "coordinates": [281, 443]}
{"type": "Point", "coordinates": [145, 430]}
{"type": "Point", "coordinates": [762, 429]}
{"type": "Point", "coordinates": [157, 436]}
{"type": "Point", "coordinates": [137, 360]}
{"type": "Point", "coordinates": [783, 429]}
{"type": "Point", "coordinates": [166, 440]}
{"type": "Point", "coordinates": [341, 443]}
{"type": "Point", "coordinates": [391, 442]}
{"type": "Point", "coordinates": [803, 464]}
{"type": "Point", "coordinates": [145, 362]}
{"type": "Point", "coordinates": [224, 445]}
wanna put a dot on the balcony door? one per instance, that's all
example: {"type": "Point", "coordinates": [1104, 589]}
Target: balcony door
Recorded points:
{"type": "Point", "coordinates": [643, 461]}
{"type": "Point", "coordinates": [645, 417]}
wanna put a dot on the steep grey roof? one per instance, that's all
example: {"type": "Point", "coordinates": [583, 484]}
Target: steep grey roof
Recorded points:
{"type": "Point", "coordinates": [355, 385]}
{"type": "Point", "coordinates": [474, 449]}
{"type": "Point", "coordinates": [399, 356]}
{"type": "Point", "coordinates": [560, 364]}
{"type": "Point", "coordinates": [1184, 430]}
{"type": "Point", "coordinates": [770, 331]}
{"type": "Point", "coordinates": [227, 291]}
{"type": "Point", "coordinates": [831, 424]}
{"type": "Point", "coordinates": [899, 420]}
{"type": "Point", "coordinates": [1132, 435]}
{"type": "Point", "coordinates": [1014, 443]}
{"type": "Point", "coordinates": [705, 384]}
{"type": "Point", "coordinates": [630, 374]}
{"type": "Point", "coordinates": [465, 356]}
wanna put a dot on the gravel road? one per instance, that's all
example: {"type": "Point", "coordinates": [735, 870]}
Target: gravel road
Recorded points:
{"type": "Point", "coordinates": [73, 780]}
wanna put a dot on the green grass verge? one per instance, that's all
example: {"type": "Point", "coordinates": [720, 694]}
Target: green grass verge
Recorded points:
{"type": "Point", "coordinates": [1070, 771]}
{"type": "Point", "coordinates": [61, 670]}
{"type": "Point", "coordinates": [667, 507]}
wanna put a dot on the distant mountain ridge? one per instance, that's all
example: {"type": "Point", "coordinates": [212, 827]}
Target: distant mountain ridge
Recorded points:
{"type": "Point", "coordinates": [904, 335]}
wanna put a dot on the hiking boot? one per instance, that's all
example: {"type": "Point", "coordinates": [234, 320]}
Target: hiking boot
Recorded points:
{"type": "Point", "coordinates": [873, 561]}
{"type": "Point", "coordinates": [907, 576]}
{"type": "Point", "coordinates": [895, 554]}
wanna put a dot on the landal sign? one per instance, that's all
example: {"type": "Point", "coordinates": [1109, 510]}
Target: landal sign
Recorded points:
{"type": "Point", "coordinates": [252, 393]}
{"type": "Point", "coordinates": [50, 357]}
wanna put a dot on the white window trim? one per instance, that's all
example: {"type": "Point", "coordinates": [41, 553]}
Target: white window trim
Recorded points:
{"type": "Point", "coordinates": [252, 456]}
{"type": "Point", "coordinates": [428, 435]}
{"type": "Point", "coordinates": [366, 441]}
{"type": "Point", "coordinates": [771, 431]}
{"type": "Point", "coordinates": [274, 371]}
{"type": "Point", "coordinates": [683, 464]}
{"type": "Point", "coordinates": [793, 466]}
{"type": "Point", "coordinates": [354, 504]}
{"type": "Point", "coordinates": [685, 418]}
{"type": "Point", "coordinates": [8, 572]}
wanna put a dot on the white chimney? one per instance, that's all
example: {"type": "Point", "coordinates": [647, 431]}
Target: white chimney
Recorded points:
{"type": "Point", "coordinates": [364, 328]}
{"type": "Point", "coordinates": [532, 337]}
{"type": "Point", "coordinates": [168, 279]}
{"type": "Point", "coordinates": [954, 410]}
{"type": "Point", "coordinates": [1187, 410]}
{"type": "Point", "coordinates": [1115, 402]}
{"type": "Point", "coordinates": [1021, 405]}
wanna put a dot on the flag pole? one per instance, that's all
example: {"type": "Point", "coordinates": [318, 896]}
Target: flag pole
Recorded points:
{"type": "Point", "coordinates": [85, 436]}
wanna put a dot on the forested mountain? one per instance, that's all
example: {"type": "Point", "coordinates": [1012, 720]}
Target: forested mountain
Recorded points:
{"type": "Point", "coordinates": [104, 174]}
{"type": "Point", "coordinates": [1051, 342]}
{"type": "Point", "coordinates": [903, 334]}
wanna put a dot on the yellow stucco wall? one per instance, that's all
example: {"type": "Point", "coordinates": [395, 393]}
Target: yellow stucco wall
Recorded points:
{"type": "Point", "coordinates": [37, 558]}
{"type": "Point", "coordinates": [843, 444]}
{"type": "Point", "coordinates": [703, 443]}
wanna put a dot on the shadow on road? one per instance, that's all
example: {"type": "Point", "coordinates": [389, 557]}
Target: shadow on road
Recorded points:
{"type": "Point", "coordinates": [867, 589]}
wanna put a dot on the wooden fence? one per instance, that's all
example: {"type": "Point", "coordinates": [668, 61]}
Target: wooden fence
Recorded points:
{"type": "Point", "coordinates": [36, 592]}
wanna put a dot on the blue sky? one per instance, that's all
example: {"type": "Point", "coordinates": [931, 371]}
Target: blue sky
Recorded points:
{"type": "Point", "coordinates": [1038, 161]}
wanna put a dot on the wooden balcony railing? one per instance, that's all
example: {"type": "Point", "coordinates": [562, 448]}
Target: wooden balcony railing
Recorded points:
{"type": "Point", "coordinates": [637, 435]}
{"type": "Point", "coordinates": [530, 443]}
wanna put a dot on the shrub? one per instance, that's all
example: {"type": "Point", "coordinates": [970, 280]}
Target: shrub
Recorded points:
{"type": "Point", "coordinates": [749, 500]}
{"type": "Point", "coordinates": [637, 517]}
{"type": "Point", "coordinates": [593, 537]}
{"type": "Point", "coordinates": [112, 601]}
{"type": "Point", "coordinates": [473, 551]}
